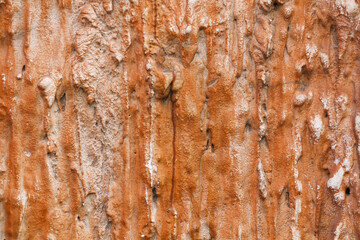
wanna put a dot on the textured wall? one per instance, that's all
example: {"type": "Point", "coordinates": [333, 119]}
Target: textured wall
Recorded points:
{"type": "Point", "coordinates": [179, 119]}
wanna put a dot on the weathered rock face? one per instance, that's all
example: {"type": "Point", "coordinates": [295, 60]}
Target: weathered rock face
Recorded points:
{"type": "Point", "coordinates": [179, 119]}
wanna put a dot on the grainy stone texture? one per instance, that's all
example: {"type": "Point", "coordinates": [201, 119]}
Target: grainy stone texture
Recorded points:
{"type": "Point", "coordinates": [179, 119]}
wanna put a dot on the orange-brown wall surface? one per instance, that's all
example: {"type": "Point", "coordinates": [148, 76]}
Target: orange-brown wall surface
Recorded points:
{"type": "Point", "coordinates": [179, 119]}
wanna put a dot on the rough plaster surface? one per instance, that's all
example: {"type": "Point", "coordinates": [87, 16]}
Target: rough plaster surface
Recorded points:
{"type": "Point", "coordinates": [179, 119]}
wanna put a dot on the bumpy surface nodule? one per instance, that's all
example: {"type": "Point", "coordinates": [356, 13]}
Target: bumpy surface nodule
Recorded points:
{"type": "Point", "coordinates": [186, 119]}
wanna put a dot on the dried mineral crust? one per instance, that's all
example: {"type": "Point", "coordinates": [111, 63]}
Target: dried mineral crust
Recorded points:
{"type": "Point", "coordinates": [179, 119]}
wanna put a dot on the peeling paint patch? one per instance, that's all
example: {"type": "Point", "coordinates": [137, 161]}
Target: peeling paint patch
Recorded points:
{"type": "Point", "coordinates": [339, 198]}
{"type": "Point", "coordinates": [346, 6]}
{"type": "Point", "coordinates": [28, 154]}
{"type": "Point", "coordinates": [335, 181]}
{"type": "Point", "coordinates": [317, 127]}
{"type": "Point", "coordinates": [342, 101]}
{"type": "Point", "coordinates": [325, 102]}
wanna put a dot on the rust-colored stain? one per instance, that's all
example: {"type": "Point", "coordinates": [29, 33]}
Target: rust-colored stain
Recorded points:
{"type": "Point", "coordinates": [179, 119]}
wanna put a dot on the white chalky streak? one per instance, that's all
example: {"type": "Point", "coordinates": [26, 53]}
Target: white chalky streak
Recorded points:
{"type": "Point", "coordinates": [324, 58]}
{"type": "Point", "coordinates": [298, 185]}
{"type": "Point", "coordinates": [338, 231]}
{"type": "Point", "coordinates": [311, 50]}
{"type": "Point", "coordinates": [150, 163]}
{"type": "Point", "coordinates": [262, 179]}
